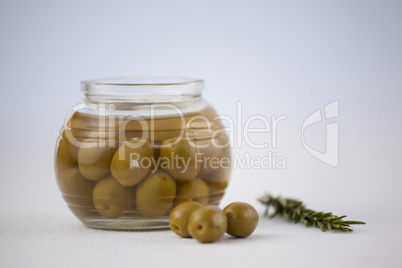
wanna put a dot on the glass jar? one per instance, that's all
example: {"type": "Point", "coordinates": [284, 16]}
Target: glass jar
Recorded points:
{"type": "Point", "coordinates": [135, 147]}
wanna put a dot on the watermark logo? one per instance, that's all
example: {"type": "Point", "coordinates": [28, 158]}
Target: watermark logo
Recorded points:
{"type": "Point", "coordinates": [203, 143]}
{"type": "Point", "coordinates": [331, 154]}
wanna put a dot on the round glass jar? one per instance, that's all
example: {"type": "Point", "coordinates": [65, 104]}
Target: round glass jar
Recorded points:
{"type": "Point", "coordinates": [135, 147]}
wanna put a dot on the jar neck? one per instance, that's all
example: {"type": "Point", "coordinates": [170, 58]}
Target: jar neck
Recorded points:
{"type": "Point", "coordinates": [142, 89]}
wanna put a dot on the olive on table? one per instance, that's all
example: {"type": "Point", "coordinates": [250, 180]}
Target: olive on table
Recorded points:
{"type": "Point", "coordinates": [207, 223]}
{"type": "Point", "coordinates": [242, 219]}
{"type": "Point", "coordinates": [178, 218]}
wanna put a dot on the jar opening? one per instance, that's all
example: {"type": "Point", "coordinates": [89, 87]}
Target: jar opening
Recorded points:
{"type": "Point", "coordinates": [142, 88]}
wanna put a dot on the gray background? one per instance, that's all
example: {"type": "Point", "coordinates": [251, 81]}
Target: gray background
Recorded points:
{"type": "Point", "coordinates": [276, 57]}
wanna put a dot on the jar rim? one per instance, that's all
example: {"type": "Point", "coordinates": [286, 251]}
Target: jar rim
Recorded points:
{"type": "Point", "coordinates": [129, 87]}
{"type": "Point", "coordinates": [143, 80]}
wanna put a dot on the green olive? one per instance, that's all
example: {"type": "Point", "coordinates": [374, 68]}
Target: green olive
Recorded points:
{"type": "Point", "coordinates": [76, 190]}
{"type": "Point", "coordinates": [111, 199]}
{"type": "Point", "coordinates": [155, 194]}
{"type": "Point", "coordinates": [81, 125]}
{"type": "Point", "coordinates": [66, 156]}
{"type": "Point", "coordinates": [217, 182]}
{"type": "Point", "coordinates": [94, 159]}
{"type": "Point", "coordinates": [157, 129]}
{"type": "Point", "coordinates": [207, 224]}
{"type": "Point", "coordinates": [181, 157]}
{"type": "Point", "coordinates": [214, 151]}
{"type": "Point", "coordinates": [196, 190]}
{"type": "Point", "coordinates": [132, 162]}
{"type": "Point", "coordinates": [242, 219]}
{"type": "Point", "coordinates": [178, 218]}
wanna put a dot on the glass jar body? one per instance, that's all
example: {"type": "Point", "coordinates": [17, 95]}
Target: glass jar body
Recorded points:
{"type": "Point", "coordinates": [126, 165]}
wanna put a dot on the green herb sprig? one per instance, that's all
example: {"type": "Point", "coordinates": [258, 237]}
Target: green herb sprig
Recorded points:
{"type": "Point", "coordinates": [296, 211]}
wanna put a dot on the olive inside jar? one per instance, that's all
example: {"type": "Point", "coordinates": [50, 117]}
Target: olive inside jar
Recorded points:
{"type": "Point", "coordinates": [136, 147]}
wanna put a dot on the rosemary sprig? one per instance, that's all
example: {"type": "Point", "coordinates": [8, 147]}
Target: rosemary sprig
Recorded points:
{"type": "Point", "coordinates": [296, 211]}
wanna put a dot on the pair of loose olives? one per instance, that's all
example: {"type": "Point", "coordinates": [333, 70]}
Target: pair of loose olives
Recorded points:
{"type": "Point", "coordinates": [208, 223]}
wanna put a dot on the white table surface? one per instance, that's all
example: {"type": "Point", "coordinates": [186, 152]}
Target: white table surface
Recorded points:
{"type": "Point", "coordinates": [59, 240]}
